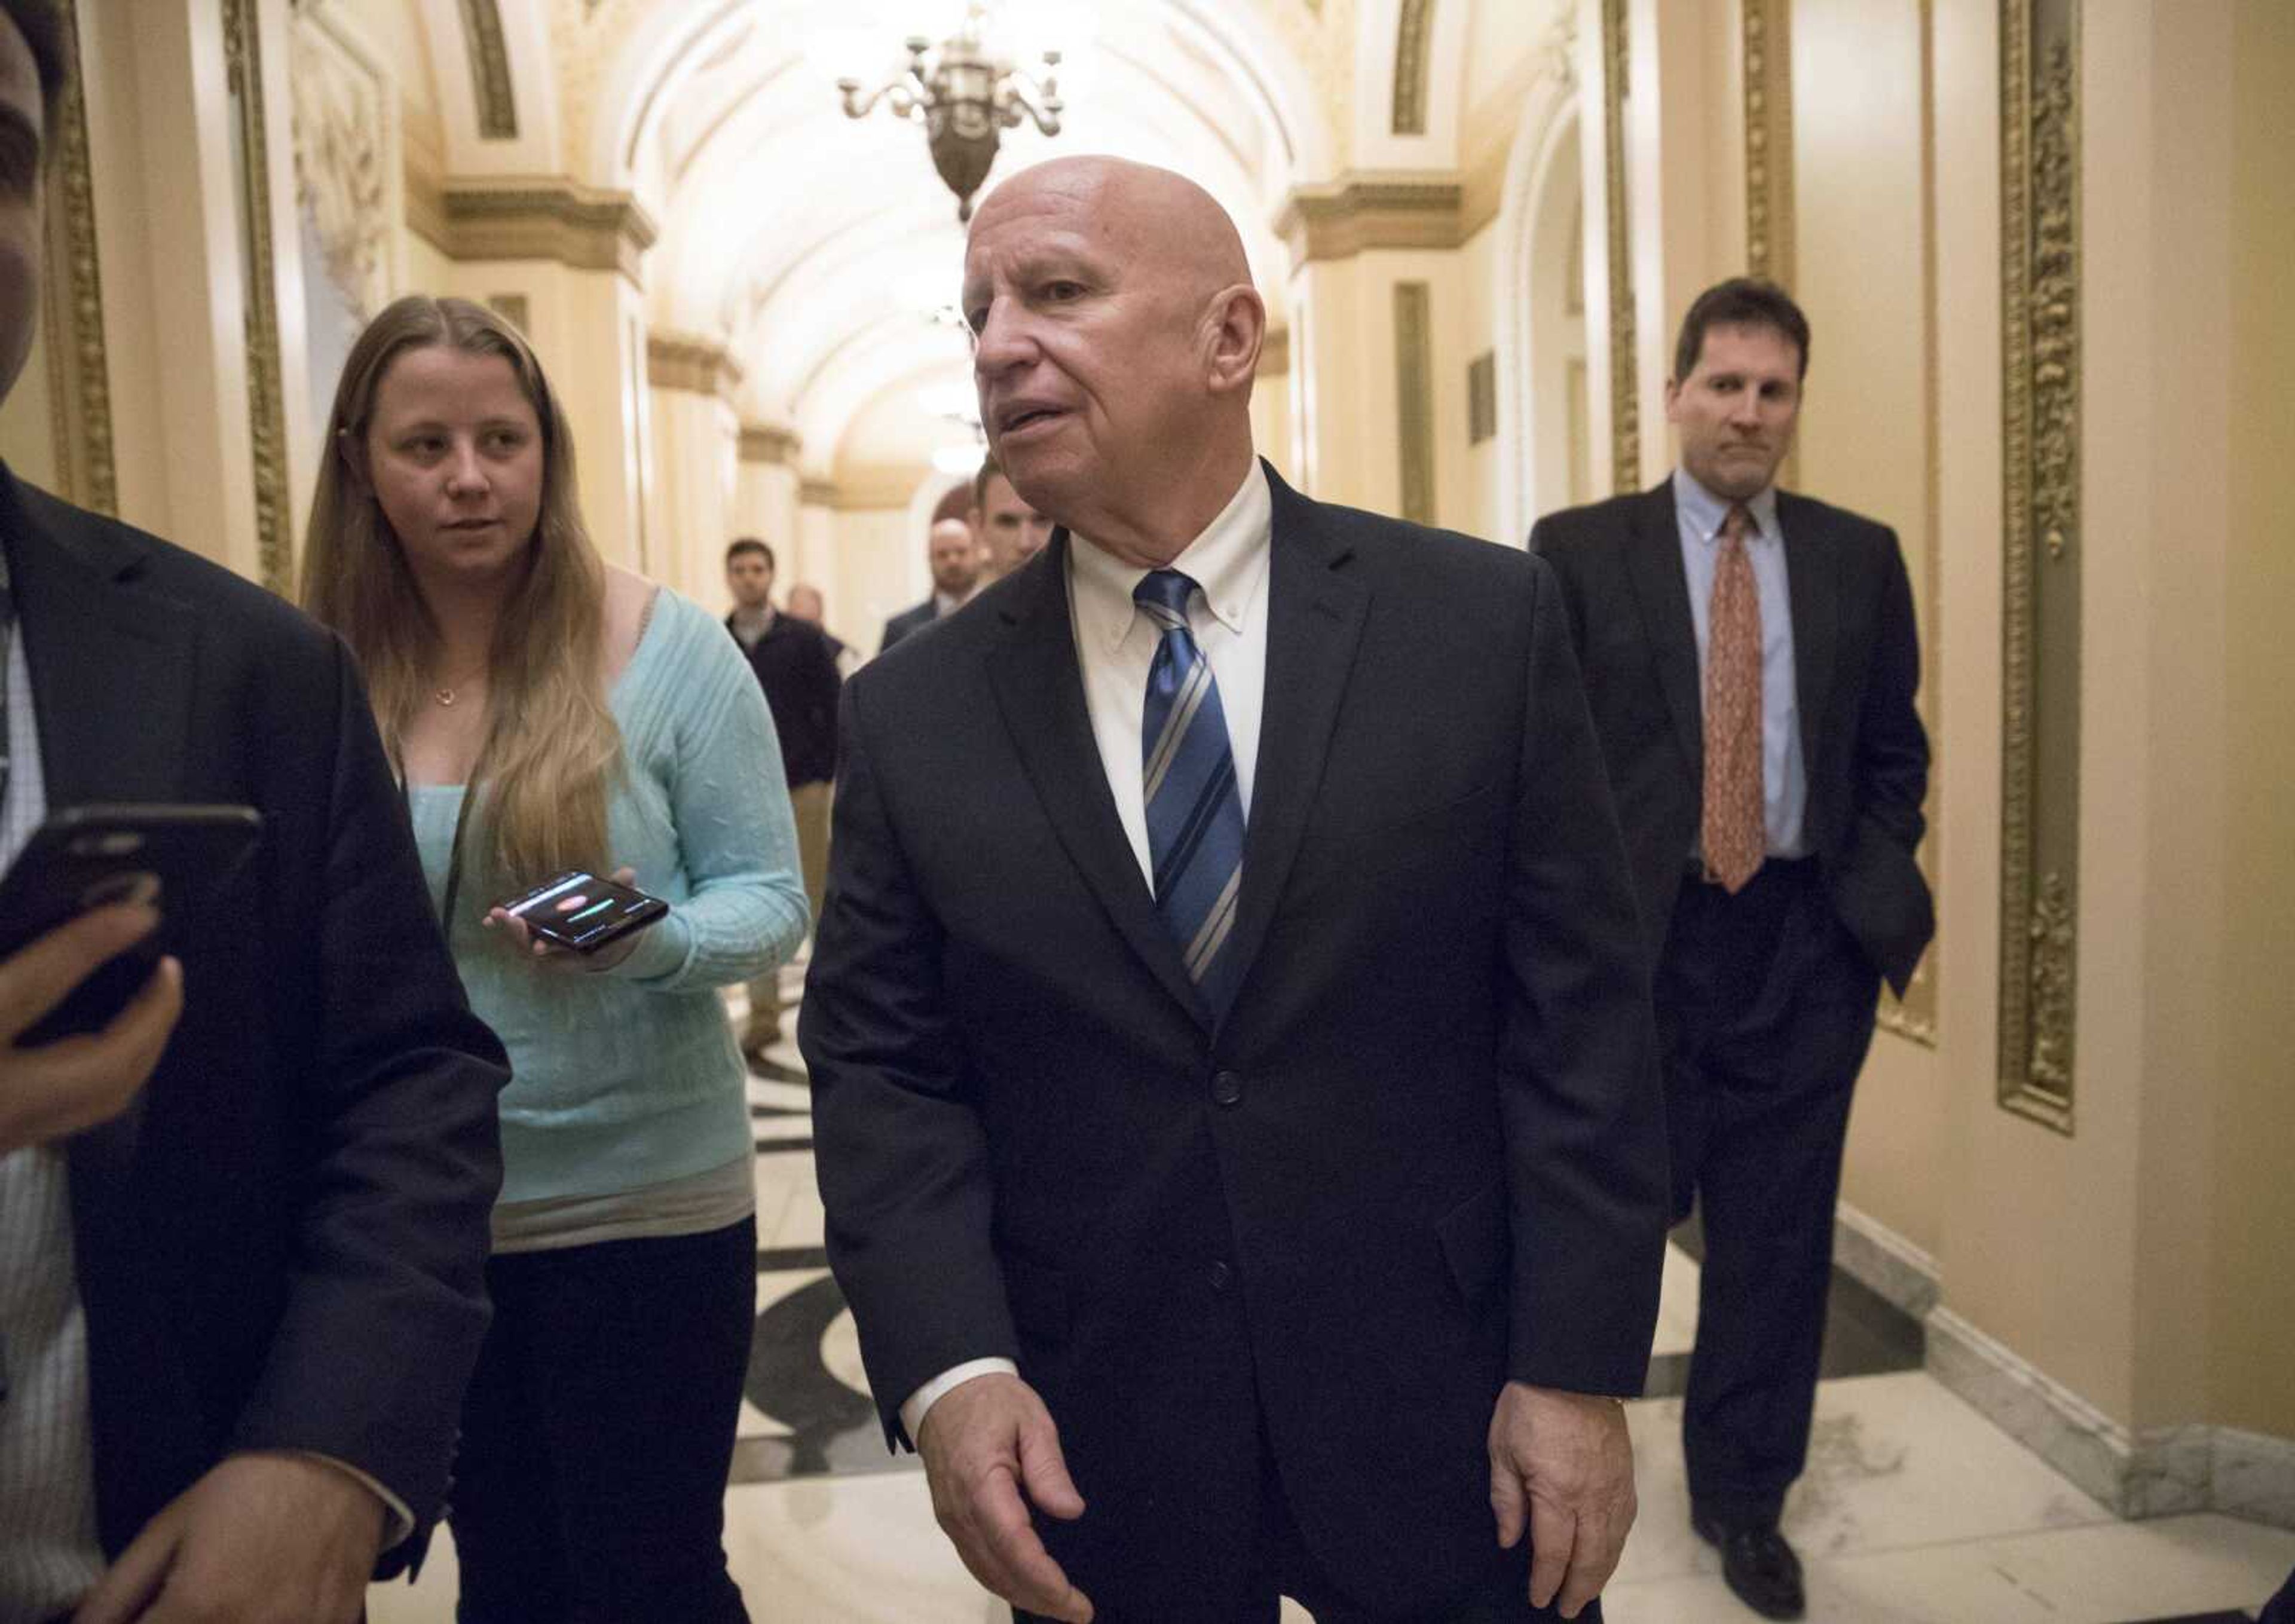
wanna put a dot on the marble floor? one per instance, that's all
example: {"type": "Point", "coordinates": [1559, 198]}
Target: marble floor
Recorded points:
{"type": "Point", "coordinates": [1914, 1509]}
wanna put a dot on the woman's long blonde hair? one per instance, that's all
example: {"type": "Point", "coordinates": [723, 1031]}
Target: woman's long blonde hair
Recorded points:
{"type": "Point", "coordinates": [552, 747]}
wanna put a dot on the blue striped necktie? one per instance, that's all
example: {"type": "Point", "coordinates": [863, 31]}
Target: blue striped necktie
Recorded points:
{"type": "Point", "coordinates": [1194, 808]}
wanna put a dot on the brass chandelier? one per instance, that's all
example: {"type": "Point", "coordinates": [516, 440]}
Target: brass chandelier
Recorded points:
{"type": "Point", "coordinates": [965, 99]}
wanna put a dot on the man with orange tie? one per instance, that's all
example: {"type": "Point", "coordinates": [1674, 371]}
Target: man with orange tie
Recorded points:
{"type": "Point", "coordinates": [1751, 659]}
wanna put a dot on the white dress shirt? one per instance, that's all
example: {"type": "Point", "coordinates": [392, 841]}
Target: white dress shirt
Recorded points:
{"type": "Point", "coordinates": [1785, 782]}
{"type": "Point", "coordinates": [1115, 645]}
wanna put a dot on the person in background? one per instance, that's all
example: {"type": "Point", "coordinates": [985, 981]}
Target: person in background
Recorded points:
{"type": "Point", "coordinates": [954, 557]}
{"type": "Point", "coordinates": [806, 603]}
{"type": "Point", "coordinates": [797, 670]}
{"type": "Point", "coordinates": [548, 713]}
{"type": "Point", "coordinates": [242, 1227]}
{"type": "Point", "coordinates": [1011, 532]}
{"type": "Point", "coordinates": [1752, 660]}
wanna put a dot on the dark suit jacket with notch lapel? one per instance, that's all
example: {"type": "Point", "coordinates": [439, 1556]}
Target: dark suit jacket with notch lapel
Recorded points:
{"type": "Point", "coordinates": [1443, 1164]}
{"type": "Point", "coordinates": [282, 1244]}
{"type": "Point", "coordinates": [1857, 667]}
{"type": "Point", "coordinates": [914, 618]}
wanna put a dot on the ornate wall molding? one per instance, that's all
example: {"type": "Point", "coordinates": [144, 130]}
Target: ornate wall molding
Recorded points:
{"type": "Point", "coordinates": [1414, 397]}
{"type": "Point", "coordinates": [1768, 35]}
{"type": "Point", "coordinates": [1274, 353]}
{"type": "Point", "coordinates": [1483, 398]}
{"type": "Point", "coordinates": [1341, 218]}
{"type": "Point", "coordinates": [692, 364]}
{"type": "Point", "coordinates": [346, 143]}
{"type": "Point", "coordinates": [1625, 395]}
{"type": "Point", "coordinates": [79, 377]}
{"type": "Point", "coordinates": [817, 493]}
{"type": "Point", "coordinates": [586, 227]}
{"type": "Point", "coordinates": [766, 442]}
{"type": "Point", "coordinates": [2039, 877]}
{"type": "Point", "coordinates": [1914, 1018]}
{"type": "Point", "coordinates": [490, 75]}
{"type": "Point", "coordinates": [1414, 31]}
{"type": "Point", "coordinates": [266, 403]}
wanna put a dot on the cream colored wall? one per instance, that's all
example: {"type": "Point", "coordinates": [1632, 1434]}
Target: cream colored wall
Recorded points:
{"type": "Point", "coordinates": [2251, 1323]}
{"type": "Point", "coordinates": [427, 270]}
{"type": "Point", "coordinates": [691, 510]}
{"type": "Point", "coordinates": [1355, 455]}
{"type": "Point", "coordinates": [2093, 1256]}
{"type": "Point", "coordinates": [173, 313]}
{"type": "Point", "coordinates": [1866, 441]}
{"type": "Point", "coordinates": [1499, 35]}
{"type": "Point", "coordinates": [875, 570]}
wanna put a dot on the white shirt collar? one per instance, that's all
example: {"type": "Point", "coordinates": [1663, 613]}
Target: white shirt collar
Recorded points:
{"type": "Point", "coordinates": [1705, 511]}
{"type": "Point", "coordinates": [1226, 561]}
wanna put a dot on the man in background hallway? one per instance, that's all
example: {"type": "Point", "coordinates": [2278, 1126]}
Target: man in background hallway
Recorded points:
{"type": "Point", "coordinates": [1010, 531]}
{"type": "Point", "coordinates": [797, 670]}
{"type": "Point", "coordinates": [806, 603]}
{"type": "Point", "coordinates": [954, 557]}
{"type": "Point", "coordinates": [243, 1229]}
{"type": "Point", "coordinates": [1752, 660]}
{"type": "Point", "coordinates": [1226, 1083]}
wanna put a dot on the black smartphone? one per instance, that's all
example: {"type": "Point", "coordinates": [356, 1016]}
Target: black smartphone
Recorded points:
{"type": "Point", "coordinates": [583, 910]}
{"type": "Point", "coordinates": [85, 857]}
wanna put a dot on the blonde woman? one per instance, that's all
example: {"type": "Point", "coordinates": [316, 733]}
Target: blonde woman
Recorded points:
{"type": "Point", "coordinates": [548, 712]}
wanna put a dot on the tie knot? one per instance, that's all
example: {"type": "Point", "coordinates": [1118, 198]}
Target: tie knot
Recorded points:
{"type": "Point", "coordinates": [1738, 524]}
{"type": "Point", "coordinates": [1163, 593]}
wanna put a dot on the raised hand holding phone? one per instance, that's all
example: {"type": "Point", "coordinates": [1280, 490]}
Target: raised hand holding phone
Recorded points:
{"type": "Point", "coordinates": [59, 1088]}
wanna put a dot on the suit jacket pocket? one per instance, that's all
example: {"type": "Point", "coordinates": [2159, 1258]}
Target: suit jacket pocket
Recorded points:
{"type": "Point", "coordinates": [1476, 1242]}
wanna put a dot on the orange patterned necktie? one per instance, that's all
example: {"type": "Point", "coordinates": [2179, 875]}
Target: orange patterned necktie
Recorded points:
{"type": "Point", "coordinates": [1733, 832]}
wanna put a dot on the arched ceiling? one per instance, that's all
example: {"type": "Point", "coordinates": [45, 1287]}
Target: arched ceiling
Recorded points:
{"type": "Point", "coordinates": [816, 247]}
{"type": "Point", "coordinates": [819, 246]}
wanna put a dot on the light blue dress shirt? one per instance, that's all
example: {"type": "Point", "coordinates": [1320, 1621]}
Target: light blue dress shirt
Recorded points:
{"type": "Point", "coordinates": [1784, 779]}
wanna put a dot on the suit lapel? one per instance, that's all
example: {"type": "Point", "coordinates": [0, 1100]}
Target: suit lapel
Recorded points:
{"type": "Point", "coordinates": [1314, 622]}
{"type": "Point", "coordinates": [113, 668]}
{"type": "Point", "coordinates": [1662, 587]}
{"type": "Point", "coordinates": [1039, 687]}
{"type": "Point", "coordinates": [1813, 586]}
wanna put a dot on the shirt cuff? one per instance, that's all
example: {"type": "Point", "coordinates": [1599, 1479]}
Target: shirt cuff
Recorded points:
{"type": "Point", "coordinates": [913, 1412]}
{"type": "Point", "coordinates": [398, 1521]}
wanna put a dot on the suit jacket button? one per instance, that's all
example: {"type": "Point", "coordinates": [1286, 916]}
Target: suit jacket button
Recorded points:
{"type": "Point", "coordinates": [1221, 1274]}
{"type": "Point", "coordinates": [1227, 1089]}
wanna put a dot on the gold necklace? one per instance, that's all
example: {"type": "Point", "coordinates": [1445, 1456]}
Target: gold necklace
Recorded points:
{"type": "Point", "coordinates": [448, 695]}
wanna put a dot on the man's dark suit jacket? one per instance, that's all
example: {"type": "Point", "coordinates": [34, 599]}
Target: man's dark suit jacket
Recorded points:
{"type": "Point", "coordinates": [1422, 1149]}
{"type": "Point", "coordinates": [281, 1244]}
{"type": "Point", "coordinates": [909, 620]}
{"type": "Point", "coordinates": [1857, 665]}
{"type": "Point", "coordinates": [797, 667]}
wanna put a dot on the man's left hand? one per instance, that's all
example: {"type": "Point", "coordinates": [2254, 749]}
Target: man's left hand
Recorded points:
{"type": "Point", "coordinates": [1563, 1465]}
{"type": "Point", "coordinates": [262, 1539]}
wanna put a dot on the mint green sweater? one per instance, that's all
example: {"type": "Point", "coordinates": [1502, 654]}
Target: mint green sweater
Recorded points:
{"type": "Point", "coordinates": [630, 1078]}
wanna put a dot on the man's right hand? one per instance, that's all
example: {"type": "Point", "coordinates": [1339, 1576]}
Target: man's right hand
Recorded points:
{"type": "Point", "coordinates": [983, 1443]}
{"type": "Point", "coordinates": [59, 1088]}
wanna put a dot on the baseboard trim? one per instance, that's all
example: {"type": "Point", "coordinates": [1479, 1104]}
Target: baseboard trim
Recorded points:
{"type": "Point", "coordinates": [2156, 1473]}
{"type": "Point", "coordinates": [1884, 1261]}
{"type": "Point", "coordinates": [2255, 1476]}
